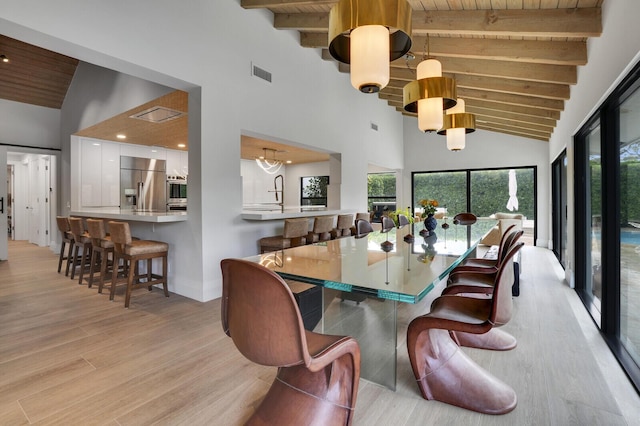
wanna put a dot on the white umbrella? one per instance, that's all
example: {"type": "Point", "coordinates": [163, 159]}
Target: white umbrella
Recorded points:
{"type": "Point", "coordinates": [512, 204]}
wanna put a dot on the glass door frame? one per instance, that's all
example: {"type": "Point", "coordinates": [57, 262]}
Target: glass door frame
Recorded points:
{"type": "Point", "coordinates": [559, 215]}
{"type": "Point", "coordinates": [608, 319]}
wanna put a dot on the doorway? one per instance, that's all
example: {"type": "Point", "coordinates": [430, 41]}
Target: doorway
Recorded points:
{"type": "Point", "coordinates": [30, 197]}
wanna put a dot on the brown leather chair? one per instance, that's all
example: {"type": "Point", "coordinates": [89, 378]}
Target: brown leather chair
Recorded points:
{"type": "Point", "coordinates": [442, 370]}
{"type": "Point", "coordinates": [465, 219]}
{"type": "Point", "coordinates": [132, 251]}
{"type": "Point", "coordinates": [318, 375]}
{"type": "Point", "coordinates": [343, 226]}
{"type": "Point", "coordinates": [294, 235]}
{"type": "Point", "coordinates": [476, 275]}
{"type": "Point", "coordinates": [101, 249]}
{"type": "Point", "coordinates": [81, 241]}
{"type": "Point", "coordinates": [321, 231]}
{"type": "Point", "coordinates": [67, 238]}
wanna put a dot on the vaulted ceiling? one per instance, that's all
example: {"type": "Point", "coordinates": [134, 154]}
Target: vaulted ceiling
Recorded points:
{"type": "Point", "coordinates": [514, 61]}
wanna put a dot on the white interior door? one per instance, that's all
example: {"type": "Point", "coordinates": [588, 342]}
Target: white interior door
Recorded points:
{"type": "Point", "coordinates": [4, 234]}
{"type": "Point", "coordinates": [20, 201]}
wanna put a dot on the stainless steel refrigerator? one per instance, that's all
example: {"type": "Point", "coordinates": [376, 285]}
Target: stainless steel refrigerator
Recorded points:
{"type": "Point", "coordinates": [143, 184]}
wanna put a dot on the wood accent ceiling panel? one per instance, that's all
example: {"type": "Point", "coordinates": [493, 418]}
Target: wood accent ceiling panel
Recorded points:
{"type": "Point", "coordinates": [34, 75]}
{"type": "Point", "coordinates": [511, 59]}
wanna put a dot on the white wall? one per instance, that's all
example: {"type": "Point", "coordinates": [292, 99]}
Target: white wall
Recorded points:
{"type": "Point", "coordinates": [610, 58]}
{"type": "Point", "coordinates": [26, 125]}
{"type": "Point", "coordinates": [212, 46]}
{"type": "Point", "coordinates": [428, 152]}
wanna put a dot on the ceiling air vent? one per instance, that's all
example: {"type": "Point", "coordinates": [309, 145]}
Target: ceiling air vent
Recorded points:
{"type": "Point", "coordinates": [260, 73]}
{"type": "Point", "coordinates": [158, 114]}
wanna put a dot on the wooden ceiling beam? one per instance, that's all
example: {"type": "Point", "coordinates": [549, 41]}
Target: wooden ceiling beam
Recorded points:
{"type": "Point", "coordinates": [570, 23]}
{"type": "Point", "coordinates": [499, 85]}
{"type": "Point", "coordinates": [511, 99]}
{"type": "Point", "coordinates": [544, 73]}
{"type": "Point", "coordinates": [509, 116]}
{"type": "Point", "coordinates": [512, 133]}
{"type": "Point", "coordinates": [504, 121]}
{"type": "Point", "coordinates": [536, 113]}
{"type": "Point", "coordinates": [526, 121]}
{"type": "Point", "coordinates": [577, 22]}
{"type": "Point", "coordinates": [510, 128]}
{"type": "Point", "coordinates": [534, 51]}
{"type": "Point", "coordinates": [274, 4]}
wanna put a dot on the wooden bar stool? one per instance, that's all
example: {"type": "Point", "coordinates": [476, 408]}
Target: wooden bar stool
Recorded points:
{"type": "Point", "coordinates": [131, 252]}
{"type": "Point", "coordinates": [101, 247]}
{"type": "Point", "coordinates": [67, 238]}
{"type": "Point", "coordinates": [82, 241]}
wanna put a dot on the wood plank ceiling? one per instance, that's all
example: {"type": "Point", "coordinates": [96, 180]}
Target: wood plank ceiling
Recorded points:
{"type": "Point", "coordinates": [34, 75]}
{"type": "Point", "coordinates": [513, 60]}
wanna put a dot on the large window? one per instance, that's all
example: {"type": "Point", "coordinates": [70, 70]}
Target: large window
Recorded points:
{"type": "Point", "coordinates": [313, 190]}
{"type": "Point", "coordinates": [381, 188]}
{"type": "Point", "coordinates": [607, 188]}
{"type": "Point", "coordinates": [481, 192]}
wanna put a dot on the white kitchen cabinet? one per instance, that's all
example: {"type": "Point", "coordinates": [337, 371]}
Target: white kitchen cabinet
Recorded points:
{"type": "Point", "coordinates": [184, 162]}
{"type": "Point", "coordinates": [177, 162]}
{"type": "Point", "coordinates": [110, 174]}
{"type": "Point", "coordinates": [100, 173]}
{"type": "Point", "coordinates": [91, 172]}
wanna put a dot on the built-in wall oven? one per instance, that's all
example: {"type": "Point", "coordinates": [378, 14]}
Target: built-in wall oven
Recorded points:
{"type": "Point", "coordinates": [176, 192]}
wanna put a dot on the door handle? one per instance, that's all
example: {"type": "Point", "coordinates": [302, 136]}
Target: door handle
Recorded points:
{"type": "Point", "coordinates": [1, 204]}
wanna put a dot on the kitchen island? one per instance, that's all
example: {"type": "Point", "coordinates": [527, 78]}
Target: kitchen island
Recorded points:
{"type": "Point", "coordinates": [257, 213]}
{"type": "Point", "coordinates": [130, 215]}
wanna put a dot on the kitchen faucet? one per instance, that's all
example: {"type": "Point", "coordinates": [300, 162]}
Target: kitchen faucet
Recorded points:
{"type": "Point", "coordinates": [281, 190]}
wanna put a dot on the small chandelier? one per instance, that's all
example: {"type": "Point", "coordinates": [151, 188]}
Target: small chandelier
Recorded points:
{"type": "Point", "coordinates": [368, 35]}
{"type": "Point", "coordinates": [430, 94]}
{"type": "Point", "coordinates": [457, 123]}
{"type": "Point", "coordinates": [271, 166]}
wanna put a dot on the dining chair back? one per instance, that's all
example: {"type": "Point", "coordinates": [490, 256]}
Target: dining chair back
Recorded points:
{"type": "Point", "coordinates": [465, 219]}
{"type": "Point", "coordinates": [318, 375]}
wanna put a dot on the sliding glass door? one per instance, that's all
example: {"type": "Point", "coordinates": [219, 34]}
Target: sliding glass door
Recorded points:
{"type": "Point", "coordinates": [607, 190]}
{"type": "Point", "coordinates": [629, 224]}
{"type": "Point", "coordinates": [559, 207]}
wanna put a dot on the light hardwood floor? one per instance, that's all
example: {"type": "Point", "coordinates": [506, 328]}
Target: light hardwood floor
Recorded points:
{"type": "Point", "coordinates": [68, 356]}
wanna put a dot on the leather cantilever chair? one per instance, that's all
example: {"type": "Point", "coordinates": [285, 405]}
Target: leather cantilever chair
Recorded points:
{"type": "Point", "coordinates": [442, 370]}
{"type": "Point", "coordinates": [465, 219]}
{"type": "Point", "coordinates": [476, 275]}
{"type": "Point", "coordinates": [318, 375]}
{"type": "Point", "coordinates": [363, 228]}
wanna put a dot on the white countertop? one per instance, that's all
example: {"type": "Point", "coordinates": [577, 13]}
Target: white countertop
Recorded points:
{"type": "Point", "coordinates": [288, 213]}
{"type": "Point", "coordinates": [129, 215]}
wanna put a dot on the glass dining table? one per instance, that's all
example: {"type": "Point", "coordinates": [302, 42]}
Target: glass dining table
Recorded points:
{"type": "Point", "coordinates": [363, 279]}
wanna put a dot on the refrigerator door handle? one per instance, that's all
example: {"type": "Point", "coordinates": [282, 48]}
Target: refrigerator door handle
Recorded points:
{"type": "Point", "coordinates": [140, 201]}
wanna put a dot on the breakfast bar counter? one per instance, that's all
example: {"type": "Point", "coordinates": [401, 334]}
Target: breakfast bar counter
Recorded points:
{"type": "Point", "coordinates": [134, 216]}
{"type": "Point", "coordinates": [287, 213]}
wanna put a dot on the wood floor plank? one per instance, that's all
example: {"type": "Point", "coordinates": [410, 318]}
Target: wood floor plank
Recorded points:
{"type": "Point", "coordinates": [69, 356]}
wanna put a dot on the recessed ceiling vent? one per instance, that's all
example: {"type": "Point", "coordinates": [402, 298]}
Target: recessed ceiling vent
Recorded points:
{"type": "Point", "coordinates": [158, 114]}
{"type": "Point", "coordinates": [260, 73]}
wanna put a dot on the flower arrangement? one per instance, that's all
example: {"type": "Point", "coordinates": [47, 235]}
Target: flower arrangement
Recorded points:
{"type": "Point", "coordinates": [429, 206]}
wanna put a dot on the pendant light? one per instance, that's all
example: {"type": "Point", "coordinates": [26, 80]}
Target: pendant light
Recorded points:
{"type": "Point", "coordinates": [368, 35]}
{"type": "Point", "coordinates": [270, 166]}
{"type": "Point", "coordinates": [430, 94]}
{"type": "Point", "coordinates": [457, 123]}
